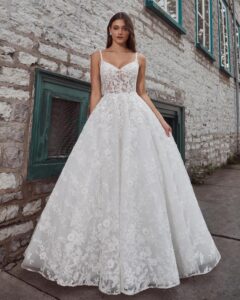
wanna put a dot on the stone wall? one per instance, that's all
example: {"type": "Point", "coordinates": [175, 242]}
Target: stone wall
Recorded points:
{"type": "Point", "coordinates": [59, 36]}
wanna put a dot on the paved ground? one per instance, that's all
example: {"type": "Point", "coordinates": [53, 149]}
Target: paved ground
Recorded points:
{"type": "Point", "coordinates": [219, 199]}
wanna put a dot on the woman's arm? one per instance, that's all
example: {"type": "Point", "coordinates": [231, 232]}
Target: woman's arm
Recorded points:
{"type": "Point", "coordinates": [143, 94]}
{"type": "Point", "coordinates": [95, 81]}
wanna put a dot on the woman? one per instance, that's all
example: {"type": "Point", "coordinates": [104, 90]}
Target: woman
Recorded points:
{"type": "Point", "coordinates": [123, 215]}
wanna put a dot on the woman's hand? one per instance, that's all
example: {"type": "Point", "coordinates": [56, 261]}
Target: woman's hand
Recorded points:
{"type": "Point", "coordinates": [166, 127]}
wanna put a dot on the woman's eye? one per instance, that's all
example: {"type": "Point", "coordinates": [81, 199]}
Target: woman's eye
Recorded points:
{"type": "Point", "coordinates": [116, 28]}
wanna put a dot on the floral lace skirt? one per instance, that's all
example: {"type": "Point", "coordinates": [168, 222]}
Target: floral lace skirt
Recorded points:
{"type": "Point", "coordinates": [123, 215]}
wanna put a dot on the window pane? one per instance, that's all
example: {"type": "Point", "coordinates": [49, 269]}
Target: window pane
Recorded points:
{"type": "Point", "coordinates": [207, 37]}
{"type": "Point", "coordinates": [170, 6]}
{"type": "Point", "coordinates": [161, 3]}
{"type": "Point", "coordinates": [207, 20]}
{"type": "Point", "coordinates": [200, 30]}
{"type": "Point", "coordinates": [238, 48]}
{"type": "Point", "coordinates": [224, 43]}
{"type": "Point", "coordinates": [204, 32]}
{"type": "Point", "coordinates": [200, 7]}
{"type": "Point", "coordinates": [64, 127]}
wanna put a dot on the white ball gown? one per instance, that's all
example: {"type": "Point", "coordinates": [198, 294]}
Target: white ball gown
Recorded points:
{"type": "Point", "coordinates": [123, 215]}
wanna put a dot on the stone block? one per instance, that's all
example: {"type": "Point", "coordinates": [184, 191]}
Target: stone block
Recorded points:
{"type": "Point", "coordinates": [53, 52]}
{"type": "Point", "coordinates": [26, 58]}
{"type": "Point", "coordinates": [14, 75]}
{"type": "Point", "coordinates": [13, 156]}
{"type": "Point", "coordinates": [47, 64]}
{"type": "Point", "coordinates": [16, 39]}
{"type": "Point", "coordinates": [5, 111]}
{"type": "Point", "coordinates": [8, 212]}
{"type": "Point", "coordinates": [6, 197]}
{"type": "Point", "coordinates": [14, 230]}
{"type": "Point", "coordinates": [32, 207]}
{"type": "Point", "coordinates": [7, 53]}
{"type": "Point", "coordinates": [12, 93]}
{"type": "Point", "coordinates": [7, 181]}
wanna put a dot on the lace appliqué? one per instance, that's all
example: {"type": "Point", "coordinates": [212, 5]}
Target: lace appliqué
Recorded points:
{"type": "Point", "coordinates": [123, 215]}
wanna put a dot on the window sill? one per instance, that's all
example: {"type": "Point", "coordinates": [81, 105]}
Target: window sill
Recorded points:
{"type": "Point", "coordinates": [151, 5]}
{"type": "Point", "coordinates": [205, 51]}
{"type": "Point", "coordinates": [226, 71]}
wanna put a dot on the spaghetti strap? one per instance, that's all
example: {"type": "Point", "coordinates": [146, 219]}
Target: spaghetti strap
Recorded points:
{"type": "Point", "coordinates": [136, 56]}
{"type": "Point", "coordinates": [100, 54]}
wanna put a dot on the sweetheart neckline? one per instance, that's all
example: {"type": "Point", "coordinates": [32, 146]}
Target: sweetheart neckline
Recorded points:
{"type": "Point", "coordinates": [135, 60]}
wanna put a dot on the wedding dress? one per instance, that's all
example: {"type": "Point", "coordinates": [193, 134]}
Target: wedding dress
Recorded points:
{"type": "Point", "coordinates": [123, 215]}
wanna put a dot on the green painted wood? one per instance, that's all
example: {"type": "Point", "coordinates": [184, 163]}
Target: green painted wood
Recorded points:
{"type": "Point", "coordinates": [49, 85]}
{"type": "Point", "coordinates": [207, 52]}
{"type": "Point", "coordinates": [177, 25]}
{"type": "Point", "coordinates": [221, 67]}
{"type": "Point", "coordinates": [238, 34]}
{"type": "Point", "coordinates": [180, 13]}
{"type": "Point", "coordinates": [229, 40]}
{"type": "Point", "coordinates": [175, 117]}
{"type": "Point", "coordinates": [211, 27]}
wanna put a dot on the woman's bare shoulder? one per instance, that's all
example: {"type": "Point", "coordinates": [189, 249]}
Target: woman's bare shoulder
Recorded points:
{"type": "Point", "coordinates": [141, 56]}
{"type": "Point", "coordinates": [141, 59]}
{"type": "Point", "coordinates": [95, 54]}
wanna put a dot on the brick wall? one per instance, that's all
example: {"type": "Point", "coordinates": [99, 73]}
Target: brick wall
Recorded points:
{"type": "Point", "coordinates": [59, 36]}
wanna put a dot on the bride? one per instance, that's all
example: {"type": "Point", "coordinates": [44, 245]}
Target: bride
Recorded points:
{"type": "Point", "coordinates": [123, 215]}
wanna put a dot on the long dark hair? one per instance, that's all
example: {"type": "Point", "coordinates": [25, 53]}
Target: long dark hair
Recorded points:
{"type": "Point", "coordinates": [131, 42]}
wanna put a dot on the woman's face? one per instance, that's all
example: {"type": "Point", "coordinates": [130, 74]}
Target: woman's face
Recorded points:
{"type": "Point", "coordinates": [119, 31]}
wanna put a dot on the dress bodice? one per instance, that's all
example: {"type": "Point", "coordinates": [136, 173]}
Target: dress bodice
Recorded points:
{"type": "Point", "coordinates": [118, 80]}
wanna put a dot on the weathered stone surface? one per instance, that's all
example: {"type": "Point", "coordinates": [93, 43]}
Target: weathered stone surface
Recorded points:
{"type": "Point", "coordinates": [73, 72]}
{"type": "Point", "coordinates": [11, 132]}
{"type": "Point", "coordinates": [21, 112]}
{"type": "Point", "coordinates": [6, 54]}
{"type": "Point", "coordinates": [13, 156]}
{"type": "Point", "coordinates": [80, 61]}
{"type": "Point", "coordinates": [75, 59]}
{"type": "Point", "coordinates": [26, 58]}
{"type": "Point", "coordinates": [5, 111]}
{"type": "Point", "coordinates": [15, 230]}
{"type": "Point", "coordinates": [7, 181]}
{"type": "Point", "coordinates": [53, 52]}
{"type": "Point", "coordinates": [10, 266]}
{"type": "Point", "coordinates": [32, 207]}
{"type": "Point", "coordinates": [24, 241]}
{"type": "Point", "coordinates": [44, 188]}
{"type": "Point", "coordinates": [47, 64]}
{"type": "Point", "coordinates": [14, 75]}
{"type": "Point", "coordinates": [7, 92]}
{"type": "Point", "coordinates": [16, 39]}
{"type": "Point", "coordinates": [8, 212]}
{"type": "Point", "coordinates": [15, 245]}
{"type": "Point", "coordinates": [3, 253]}
{"type": "Point", "coordinates": [63, 69]}
{"type": "Point", "coordinates": [6, 197]}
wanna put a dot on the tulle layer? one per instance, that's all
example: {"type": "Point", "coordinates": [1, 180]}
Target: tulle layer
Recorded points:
{"type": "Point", "coordinates": [123, 215]}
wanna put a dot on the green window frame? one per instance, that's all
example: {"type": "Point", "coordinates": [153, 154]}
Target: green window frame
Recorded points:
{"type": "Point", "coordinates": [204, 27]}
{"type": "Point", "coordinates": [238, 47]}
{"type": "Point", "coordinates": [175, 116]}
{"type": "Point", "coordinates": [58, 101]}
{"type": "Point", "coordinates": [170, 11]}
{"type": "Point", "coordinates": [224, 37]}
